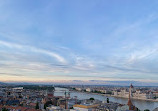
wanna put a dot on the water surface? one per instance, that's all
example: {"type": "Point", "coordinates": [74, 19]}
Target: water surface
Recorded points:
{"type": "Point", "coordinates": [142, 105]}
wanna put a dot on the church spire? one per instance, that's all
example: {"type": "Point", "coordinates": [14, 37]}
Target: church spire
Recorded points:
{"type": "Point", "coordinates": [131, 86]}
{"type": "Point", "coordinates": [131, 106]}
{"type": "Point", "coordinates": [129, 101]}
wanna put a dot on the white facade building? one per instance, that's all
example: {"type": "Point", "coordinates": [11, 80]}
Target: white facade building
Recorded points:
{"type": "Point", "coordinates": [88, 90]}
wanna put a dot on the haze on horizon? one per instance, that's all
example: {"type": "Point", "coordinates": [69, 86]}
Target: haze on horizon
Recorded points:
{"type": "Point", "coordinates": [66, 40]}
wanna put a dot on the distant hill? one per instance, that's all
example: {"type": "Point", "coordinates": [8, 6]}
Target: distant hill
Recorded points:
{"type": "Point", "coordinates": [15, 83]}
{"type": "Point", "coordinates": [20, 83]}
{"type": "Point", "coordinates": [2, 83]}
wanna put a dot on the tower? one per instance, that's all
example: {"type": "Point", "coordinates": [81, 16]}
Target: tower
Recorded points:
{"type": "Point", "coordinates": [131, 106]}
{"type": "Point", "coordinates": [129, 102]}
{"type": "Point", "coordinates": [131, 89]}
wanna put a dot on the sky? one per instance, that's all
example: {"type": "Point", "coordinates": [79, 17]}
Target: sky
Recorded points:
{"type": "Point", "coordinates": [79, 40]}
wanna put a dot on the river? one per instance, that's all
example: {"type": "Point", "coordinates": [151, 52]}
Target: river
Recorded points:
{"type": "Point", "coordinates": [141, 104]}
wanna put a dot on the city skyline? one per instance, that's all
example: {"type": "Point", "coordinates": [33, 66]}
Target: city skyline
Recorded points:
{"type": "Point", "coordinates": [79, 40]}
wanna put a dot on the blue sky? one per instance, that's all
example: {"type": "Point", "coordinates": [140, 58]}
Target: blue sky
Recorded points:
{"type": "Point", "coordinates": [66, 40]}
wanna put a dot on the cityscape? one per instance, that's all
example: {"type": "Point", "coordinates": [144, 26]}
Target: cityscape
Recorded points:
{"type": "Point", "coordinates": [61, 98]}
{"type": "Point", "coordinates": [142, 93]}
{"type": "Point", "coordinates": [78, 55]}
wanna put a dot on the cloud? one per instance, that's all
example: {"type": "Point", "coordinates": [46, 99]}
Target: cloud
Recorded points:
{"type": "Point", "coordinates": [95, 82]}
{"type": "Point", "coordinates": [11, 74]}
{"type": "Point", "coordinates": [96, 48]}
{"type": "Point", "coordinates": [83, 67]}
{"type": "Point", "coordinates": [33, 49]}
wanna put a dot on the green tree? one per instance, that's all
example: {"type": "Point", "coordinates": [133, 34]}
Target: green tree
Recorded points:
{"type": "Point", "coordinates": [146, 110]}
{"type": "Point", "coordinates": [107, 100]}
{"type": "Point", "coordinates": [37, 105]}
{"type": "Point", "coordinates": [138, 109]}
{"type": "Point", "coordinates": [4, 109]}
{"type": "Point", "coordinates": [45, 106]}
{"type": "Point", "coordinates": [91, 99]}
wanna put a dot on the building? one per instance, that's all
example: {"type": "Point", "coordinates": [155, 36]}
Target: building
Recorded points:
{"type": "Point", "coordinates": [131, 90]}
{"type": "Point", "coordinates": [78, 89]}
{"type": "Point", "coordinates": [130, 104]}
{"type": "Point", "coordinates": [53, 108]}
{"type": "Point", "coordinates": [85, 107]}
{"type": "Point", "coordinates": [156, 109]}
{"type": "Point", "coordinates": [88, 89]}
{"type": "Point", "coordinates": [122, 108]}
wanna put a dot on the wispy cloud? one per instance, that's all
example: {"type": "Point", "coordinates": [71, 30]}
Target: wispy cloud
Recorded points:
{"type": "Point", "coordinates": [11, 74]}
{"type": "Point", "coordinates": [61, 41]}
{"type": "Point", "coordinates": [33, 49]}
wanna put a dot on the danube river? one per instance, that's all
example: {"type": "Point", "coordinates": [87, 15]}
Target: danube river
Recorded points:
{"type": "Point", "coordinates": [142, 105]}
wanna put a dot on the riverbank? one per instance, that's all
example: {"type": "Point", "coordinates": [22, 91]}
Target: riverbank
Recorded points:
{"type": "Point", "coordinates": [141, 104]}
{"type": "Point", "coordinates": [108, 95]}
{"type": "Point", "coordinates": [151, 100]}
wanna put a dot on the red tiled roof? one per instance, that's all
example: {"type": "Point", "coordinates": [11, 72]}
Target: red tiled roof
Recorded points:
{"type": "Point", "coordinates": [19, 107]}
{"type": "Point", "coordinates": [32, 104]}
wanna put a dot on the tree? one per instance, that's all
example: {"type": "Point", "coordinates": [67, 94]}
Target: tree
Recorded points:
{"type": "Point", "coordinates": [37, 106]}
{"type": "Point", "coordinates": [71, 108]}
{"type": "Point", "coordinates": [107, 100]}
{"type": "Point", "coordinates": [146, 110]}
{"type": "Point", "coordinates": [138, 109]}
{"type": "Point", "coordinates": [91, 99]}
{"type": "Point", "coordinates": [45, 106]}
{"type": "Point", "coordinates": [4, 109]}
{"type": "Point", "coordinates": [21, 104]}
